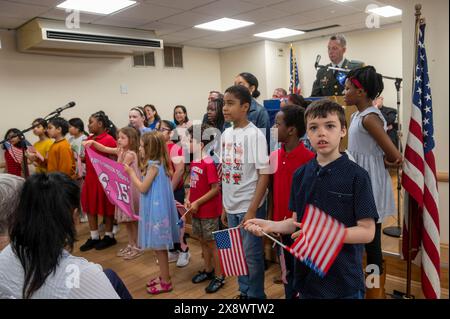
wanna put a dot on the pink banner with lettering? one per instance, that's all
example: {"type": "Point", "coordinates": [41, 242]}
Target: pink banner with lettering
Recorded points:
{"type": "Point", "coordinates": [115, 181]}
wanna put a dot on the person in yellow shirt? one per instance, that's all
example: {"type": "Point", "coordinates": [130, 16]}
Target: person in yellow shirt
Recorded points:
{"type": "Point", "coordinates": [60, 156]}
{"type": "Point", "coordinates": [42, 146]}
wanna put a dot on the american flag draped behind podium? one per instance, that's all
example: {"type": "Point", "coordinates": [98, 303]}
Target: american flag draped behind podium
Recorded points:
{"type": "Point", "coordinates": [294, 86]}
{"type": "Point", "coordinates": [419, 178]}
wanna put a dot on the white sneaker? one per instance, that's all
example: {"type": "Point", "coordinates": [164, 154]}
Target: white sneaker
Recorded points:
{"type": "Point", "coordinates": [173, 256]}
{"type": "Point", "coordinates": [115, 229]}
{"type": "Point", "coordinates": [183, 259]}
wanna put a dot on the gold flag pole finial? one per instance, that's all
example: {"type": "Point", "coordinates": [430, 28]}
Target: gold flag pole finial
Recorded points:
{"type": "Point", "coordinates": [418, 9]}
{"type": "Point", "coordinates": [418, 14]}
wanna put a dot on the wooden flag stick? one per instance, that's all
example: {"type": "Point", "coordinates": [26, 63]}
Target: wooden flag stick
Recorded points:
{"type": "Point", "coordinates": [185, 213]}
{"type": "Point", "coordinates": [275, 240]}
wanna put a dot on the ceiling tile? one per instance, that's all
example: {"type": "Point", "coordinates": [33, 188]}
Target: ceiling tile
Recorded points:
{"type": "Point", "coordinates": [188, 18]}
{"type": "Point", "coordinates": [226, 8]}
{"type": "Point", "coordinates": [161, 28]}
{"type": "Point", "coordinates": [223, 36]}
{"type": "Point", "coordinates": [263, 2]}
{"type": "Point", "coordinates": [180, 4]}
{"type": "Point", "coordinates": [289, 21]}
{"type": "Point", "coordinates": [42, 3]}
{"type": "Point", "coordinates": [251, 30]}
{"type": "Point", "coordinates": [329, 12]}
{"type": "Point", "coordinates": [261, 15]}
{"type": "Point", "coordinates": [60, 14]}
{"type": "Point", "coordinates": [361, 4]}
{"type": "Point", "coordinates": [20, 10]}
{"type": "Point", "coordinates": [193, 33]}
{"type": "Point", "coordinates": [147, 12]}
{"type": "Point", "coordinates": [297, 6]}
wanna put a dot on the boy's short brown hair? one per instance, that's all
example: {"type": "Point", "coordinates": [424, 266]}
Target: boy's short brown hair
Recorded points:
{"type": "Point", "coordinates": [322, 108]}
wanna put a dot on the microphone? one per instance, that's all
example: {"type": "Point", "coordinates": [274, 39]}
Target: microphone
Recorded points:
{"type": "Point", "coordinates": [317, 61]}
{"type": "Point", "coordinates": [65, 107]}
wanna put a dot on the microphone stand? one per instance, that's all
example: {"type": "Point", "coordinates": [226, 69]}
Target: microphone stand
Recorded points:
{"type": "Point", "coordinates": [395, 231]}
{"type": "Point", "coordinates": [47, 118]}
{"type": "Point", "coordinates": [21, 135]}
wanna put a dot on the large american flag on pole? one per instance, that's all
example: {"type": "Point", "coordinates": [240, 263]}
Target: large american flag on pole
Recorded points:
{"type": "Point", "coordinates": [419, 178]}
{"type": "Point", "coordinates": [294, 86]}
{"type": "Point", "coordinates": [231, 252]}
{"type": "Point", "coordinates": [320, 240]}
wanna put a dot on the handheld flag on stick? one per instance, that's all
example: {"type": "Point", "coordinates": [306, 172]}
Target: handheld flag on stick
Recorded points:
{"type": "Point", "coordinates": [231, 252]}
{"type": "Point", "coordinates": [181, 211]}
{"type": "Point", "coordinates": [320, 240]}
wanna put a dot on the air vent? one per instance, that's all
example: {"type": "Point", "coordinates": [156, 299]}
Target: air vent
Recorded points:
{"type": "Point", "coordinates": [173, 57]}
{"type": "Point", "coordinates": [69, 36]}
{"type": "Point", "coordinates": [144, 59]}
{"type": "Point", "coordinates": [322, 28]}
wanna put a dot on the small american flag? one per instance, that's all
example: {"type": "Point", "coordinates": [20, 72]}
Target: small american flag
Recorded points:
{"type": "Point", "coordinates": [15, 152]}
{"type": "Point", "coordinates": [231, 252]}
{"type": "Point", "coordinates": [320, 240]}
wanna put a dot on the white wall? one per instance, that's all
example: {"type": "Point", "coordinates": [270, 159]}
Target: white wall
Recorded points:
{"type": "Point", "coordinates": [247, 58]}
{"type": "Point", "coordinates": [262, 60]}
{"type": "Point", "coordinates": [34, 85]}
{"type": "Point", "coordinates": [277, 67]}
{"type": "Point", "coordinates": [381, 48]}
{"type": "Point", "coordinates": [436, 42]}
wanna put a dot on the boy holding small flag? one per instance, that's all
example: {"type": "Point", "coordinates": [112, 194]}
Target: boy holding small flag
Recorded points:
{"type": "Point", "coordinates": [341, 189]}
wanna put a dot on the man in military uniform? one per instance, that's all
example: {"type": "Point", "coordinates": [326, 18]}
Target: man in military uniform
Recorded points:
{"type": "Point", "coordinates": [331, 82]}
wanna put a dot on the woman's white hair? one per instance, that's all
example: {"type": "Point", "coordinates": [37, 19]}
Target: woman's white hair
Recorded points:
{"type": "Point", "coordinates": [10, 189]}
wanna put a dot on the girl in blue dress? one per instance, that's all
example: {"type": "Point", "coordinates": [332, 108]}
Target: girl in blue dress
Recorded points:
{"type": "Point", "coordinates": [158, 228]}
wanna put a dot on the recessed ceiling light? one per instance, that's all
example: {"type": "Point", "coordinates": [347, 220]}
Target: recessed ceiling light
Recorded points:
{"type": "Point", "coordinates": [96, 6]}
{"type": "Point", "coordinates": [279, 33]}
{"type": "Point", "coordinates": [224, 24]}
{"type": "Point", "coordinates": [387, 11]}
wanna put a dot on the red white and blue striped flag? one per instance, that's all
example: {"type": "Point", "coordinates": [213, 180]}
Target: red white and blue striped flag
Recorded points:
{"type": "Point", "coordinates": [15, 152]}
{"type": "Point", "coordinates": [231, 252]}
{"type": "Point", "coordinates": [294, 86]}
{"type": "Point", "coordinates": [419, 179]}
{"type": "Point", "coordinates": [320, 240]}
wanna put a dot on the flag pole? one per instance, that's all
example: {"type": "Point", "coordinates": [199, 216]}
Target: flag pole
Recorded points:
{"type": "Point", "coordinates": [418, 22]}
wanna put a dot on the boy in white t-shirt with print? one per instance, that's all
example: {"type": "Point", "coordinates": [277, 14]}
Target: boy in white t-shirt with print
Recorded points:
{"type": "Point", "coordinates": [245, 169]}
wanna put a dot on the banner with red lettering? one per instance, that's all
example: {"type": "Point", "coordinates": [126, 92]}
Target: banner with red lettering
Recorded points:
{"type": "Point", "coordinates": [115, 181]}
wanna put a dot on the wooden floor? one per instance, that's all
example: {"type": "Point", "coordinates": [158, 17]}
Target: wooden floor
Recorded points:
{"type": "Point", "coordinates": [137, 272]}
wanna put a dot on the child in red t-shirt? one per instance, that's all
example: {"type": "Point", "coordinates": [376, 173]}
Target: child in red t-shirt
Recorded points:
{"type": "Point", "coordinates": [205, 203]}
{"type": "Point", "coordinates": [290, 125]}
